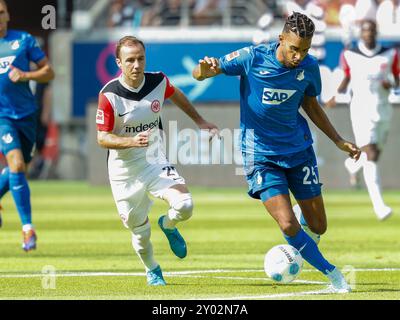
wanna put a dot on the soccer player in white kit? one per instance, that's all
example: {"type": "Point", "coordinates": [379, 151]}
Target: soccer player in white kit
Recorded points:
{"type": "Point", "coordinates": [372, 70]}
{"type": "Point", "coordinates": [128, 119]}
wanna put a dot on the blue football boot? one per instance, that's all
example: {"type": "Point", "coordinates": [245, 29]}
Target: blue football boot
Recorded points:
{"type": "Point", "coordinates": [176, 241]}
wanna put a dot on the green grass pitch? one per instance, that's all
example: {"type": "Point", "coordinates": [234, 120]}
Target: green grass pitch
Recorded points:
{"type": "Point", "coordinates": [82, 240]}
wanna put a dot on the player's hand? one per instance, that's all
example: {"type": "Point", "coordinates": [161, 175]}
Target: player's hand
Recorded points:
{"type": "Point", "coordinates": [331, 103]}
{"type": "Point", "coordinates": [386, 84]}
{"type": "Point", "coordinates": [353, 151]}
{"type": "Point", "coordinates": [141, 139]}
{"type": "Point", "coordinates": [210, 127]}
{"type": "Point", "coordinates": [208, 67]}
{"type": "Point", "coordinates": [17, 75]}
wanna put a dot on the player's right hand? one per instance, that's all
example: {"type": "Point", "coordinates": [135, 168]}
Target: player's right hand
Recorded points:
{"type": "Point", "coordinates": [353, 151]}
{"type": "Point", "coordinates": [141, 139]}
{"type": "Point", "coordinates": [16, 74]}
{"type": "Point", "coordinates": [208, 67]}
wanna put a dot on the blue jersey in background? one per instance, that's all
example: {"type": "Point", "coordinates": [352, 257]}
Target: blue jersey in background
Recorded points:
{"type": "Point", "coordinates": [17, 48]}
{"type": "Point", "coordinates": [270, 97]}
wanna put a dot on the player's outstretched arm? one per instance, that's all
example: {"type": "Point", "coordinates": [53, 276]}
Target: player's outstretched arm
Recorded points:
{"type": "Point", "coordinates": [186, 106]}
{"type": "Point", "coordinates": [320, 119]}
{"type": "Point", "coordinates": [109, 140]}
{"type": "Point", "coordinates": [43, 74]}
{"type": "Point", "coordinates": [207, 68]}
{"type": "Point", "coordinates": [341, 89]}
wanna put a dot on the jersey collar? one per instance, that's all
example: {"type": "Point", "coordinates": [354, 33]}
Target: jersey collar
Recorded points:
{"type": "Point", "coordinates": [136, 90]}
{"type": "Point", "coordinates": [368, 52]}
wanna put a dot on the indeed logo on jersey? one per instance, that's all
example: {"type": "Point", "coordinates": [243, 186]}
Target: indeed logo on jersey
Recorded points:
{"type": "Point", "coordinates": [276, 96]}
{"type": "Point", "coordinates": [142, 127]}
{"type": "Point", "coordinates": [5, 63]}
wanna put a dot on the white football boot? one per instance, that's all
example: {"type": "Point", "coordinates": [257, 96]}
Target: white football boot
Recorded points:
{"type": "Point", "coordinates": [338, 282]}
{"type": "Point", "coordinates": [383, 213]}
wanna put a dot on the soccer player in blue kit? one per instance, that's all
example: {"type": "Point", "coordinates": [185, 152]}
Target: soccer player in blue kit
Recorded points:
{"type": "Point", "coordinates": [18, 115]}
{"type": "Point", "coordinates": [275, 80]}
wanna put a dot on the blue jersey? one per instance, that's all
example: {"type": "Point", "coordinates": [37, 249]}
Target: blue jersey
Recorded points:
{"type": "Point", "coordinates": [270, 97]}
{"type": "Point", "coordinates": [17, 48]}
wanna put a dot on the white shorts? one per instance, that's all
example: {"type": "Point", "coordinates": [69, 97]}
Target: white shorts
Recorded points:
{"type": "Point", "coordinates": [370, 132]}
{"type": "Point", "coordinates": [131, 195]}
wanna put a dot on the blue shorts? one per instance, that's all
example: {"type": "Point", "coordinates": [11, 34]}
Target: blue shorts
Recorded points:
{"type": "Point", "coordinates": [274, 175]}
{"type": "Point", "coordinates": [18, 134]}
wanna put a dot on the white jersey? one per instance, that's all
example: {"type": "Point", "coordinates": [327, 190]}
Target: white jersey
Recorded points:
{"type": "Point", "coordinates": [125, 112]}
{"type": "Point", "coordinates": [367, 69]}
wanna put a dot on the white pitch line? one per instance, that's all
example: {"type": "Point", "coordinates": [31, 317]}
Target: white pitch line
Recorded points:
{"type": "Point", "coordinates": [172, 273]}
{"type": "Point", "coordinates": [363, 270]}
{"type": "Point", "coordinates": [123, 274]}
{"type": "Point", "coordinates": [246, 278]}
{"type": "Point", "coordinates": [270, 296]}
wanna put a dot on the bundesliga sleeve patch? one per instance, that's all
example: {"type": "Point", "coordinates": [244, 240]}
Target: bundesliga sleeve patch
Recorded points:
{"type": "Point", "coordinates": [100, 117]}
{"type": "Point", "coordinates": [232, 55]}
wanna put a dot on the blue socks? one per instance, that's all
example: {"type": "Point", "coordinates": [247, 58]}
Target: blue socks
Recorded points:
{"type": "Point", "coordinates": [20, 191]}
{"type": "Point", "coordinates": [4, 181]}
{"type": "Point", "coordinates": [309, 251]}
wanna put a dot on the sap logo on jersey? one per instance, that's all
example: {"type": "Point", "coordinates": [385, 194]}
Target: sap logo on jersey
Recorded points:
{"type": "Point", "coordinates": [276, 96]}
{"type": "Point", "coordinates": [142, 127]}
{"type": "Point", "coordinates": [5, 63]}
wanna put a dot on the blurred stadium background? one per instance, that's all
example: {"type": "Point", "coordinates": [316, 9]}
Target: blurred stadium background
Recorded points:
{"type": "Point", "coordinates": [80, 237]}
{"type": "Point", "coordinates": [177, 33]}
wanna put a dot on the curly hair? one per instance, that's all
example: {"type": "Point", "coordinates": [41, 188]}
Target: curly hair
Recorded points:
{"type": "Point", "coordinates": [300, 24]}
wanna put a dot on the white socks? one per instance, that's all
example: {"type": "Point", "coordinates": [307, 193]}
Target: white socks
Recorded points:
{"type": "Point", "coordinates": [143, 247]}
{"type": "Point", "coordinates": [372, 181]}
{"type": "Point", "coordinates": [27, 227]}
{"type": "Point", "coordinates": [371, 177]}
{"type": "Point", "coordinates": [168, 223]}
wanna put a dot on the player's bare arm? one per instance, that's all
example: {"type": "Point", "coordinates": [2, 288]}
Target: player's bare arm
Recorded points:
{"type": "Point", "coordinates": [186, 106]}
{"type": "Point", "coordinates": [207, 68]}
{"type": "Point", "coordinates": [110, 140]}
{"type": "Point", "coordinates": [43, 74]}
{"type": "Point", "coordinates": [341, 89]}
{"type": "Point", "coordinates": [320, 119]}
{"type": "Point", "coordinates": [388, 85]}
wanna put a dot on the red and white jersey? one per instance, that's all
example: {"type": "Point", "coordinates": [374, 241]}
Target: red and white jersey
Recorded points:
{"type": "Point", "coordinates": [125, 112]}
{"type": "Point", "coordinates": [367, 69]}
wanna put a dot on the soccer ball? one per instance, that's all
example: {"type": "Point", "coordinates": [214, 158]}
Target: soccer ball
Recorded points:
{"type": "Point", "coordinates": [283, 263]}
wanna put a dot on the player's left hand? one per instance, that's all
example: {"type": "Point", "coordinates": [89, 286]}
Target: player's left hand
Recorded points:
{"type": "Point", "coordinates": [17, 75]}
{"type": "Point", "coordinates": [210, 127]}
{"type": "Point", "coordinates": [353, 151]}
{"type": "Point", "coordinates": [386, 84]}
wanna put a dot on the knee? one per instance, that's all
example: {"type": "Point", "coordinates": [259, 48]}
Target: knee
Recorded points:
{"type": "Point", "coordinates": [320, 228]}
{"type": "Point", "coordinates": [183, 205]}
{"type": "Point", "coordinates": [289, 227]}
{"type": "Point", "coordinates": [16, 164]}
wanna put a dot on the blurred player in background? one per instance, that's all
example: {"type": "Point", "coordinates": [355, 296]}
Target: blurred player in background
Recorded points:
{"type": "Point", "coordinates": [128, 118]}
{"type": "Point", "coordinates": [42, 93]}
{"type": "Point", "coordinates": [372, 70]}
{"type": "Point", "coordinates": [18, 115]}
{"type": "Point", "coordinates": [276, 79]}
